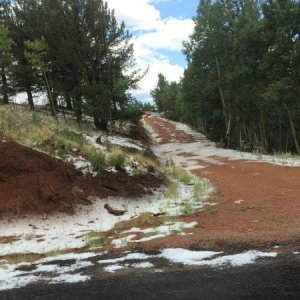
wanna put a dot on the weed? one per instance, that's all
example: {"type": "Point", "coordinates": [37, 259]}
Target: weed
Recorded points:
{"type": "Point", "coordinates": [147, 218]}
{"type": "Point", "coordinates": [124, 242]}
{"type": "Point", "coordinates": [177, 173]}
{"type": "Point", "coordinates": [97, 160]}
{"type": "Point", "coordinates": [29, 236]}
{"type": "Point", "coordinates": [118, 227]}
{"type": "Point", "coordinates": [181, 230]}
{"type": "Point", "coordinates": [108, 145]}
{"type": "Point", "coordinates": [117, 157]}
{"type": "Point", "coordinates": [172, 191]}
{"type": "Point", "coordinates": [150, 234]}
{"type": "Point", "coordinates": [201, 188]}
{"type": "Point", "coordinates": [54, 252]}
{"type": "Point", "coordinates": [95, 240]}
{"type": "Point", "coordinates": [187, 208]}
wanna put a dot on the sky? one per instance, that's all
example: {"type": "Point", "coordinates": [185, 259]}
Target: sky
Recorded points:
{"type": "Point", "coordinates": [158, 27]}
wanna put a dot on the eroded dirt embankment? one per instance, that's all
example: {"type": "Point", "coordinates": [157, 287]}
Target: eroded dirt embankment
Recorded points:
{"type": "Point", "coordinates": [256, 203]}
{"type": "Point", "coordinates": [33, 182]}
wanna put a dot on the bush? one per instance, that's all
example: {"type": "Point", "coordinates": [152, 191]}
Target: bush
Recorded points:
{"type": "Point", "coordinates": [97, 160]}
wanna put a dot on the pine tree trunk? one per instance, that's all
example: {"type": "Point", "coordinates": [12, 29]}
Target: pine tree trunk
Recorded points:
{"type": "Point", "coordinates": [30, 97]}
{"type": "Point", "coordinates": [68, 101]}
{"type": "Point", "coordinates": [4, 87]}
{"type": "Point", "coordinates": [226, 119]}
{"type": "Point", "coordinates": [52, 104]}
{"type": "Point", "coordinates": [78, 108]}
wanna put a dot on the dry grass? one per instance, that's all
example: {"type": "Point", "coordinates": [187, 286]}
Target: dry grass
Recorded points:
{"type": "Point", "coordinates": [43, 133]}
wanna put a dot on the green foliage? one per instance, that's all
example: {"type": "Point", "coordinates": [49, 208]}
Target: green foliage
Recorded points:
{"type": "Point", "coordinates": [117, 159]}
{"type": "Point", "coordinates": [242, 83]}
{"type": "Point", "coordinates": [5, 62]}
{"type": "Point", "coordinates": [178, 173]}
{"type": "Point", "coordinates": [95, 239]}
{"type": "Point", "coordinates": [167, 96]}
{"type": "Point", "coordinates": [172, 191]}
{"type": "Point", "coordinates": [35, 53]}
{"type": "Point", "coordinates": [67, 139]}
{"type": "Point", "coordinates": [97, 160]}
{"type": "Point", "coordinates": [76, 51]}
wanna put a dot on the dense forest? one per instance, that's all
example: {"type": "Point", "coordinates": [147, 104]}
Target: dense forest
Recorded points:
{"type": "Point", "coordinates": [241, 86]}
{"type": "Point", "coordinates": [73, 50]}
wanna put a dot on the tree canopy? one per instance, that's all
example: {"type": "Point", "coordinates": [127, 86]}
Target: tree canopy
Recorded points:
{"type": "Point", "coordinates": [75, 50]}
{"type": "Point", "coordinates": [242, 83]}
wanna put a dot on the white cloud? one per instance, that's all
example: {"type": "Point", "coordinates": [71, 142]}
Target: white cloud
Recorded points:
{"type": "Point", "coordinates": [152, 34]}
{"type": "Point", "coordinates": [137, 14]}
{"type": "Point", "coordinates": [169, 34]}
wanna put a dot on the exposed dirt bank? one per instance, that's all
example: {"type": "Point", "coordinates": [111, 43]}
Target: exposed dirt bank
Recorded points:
{"type": "Point", "coordinates": [33, 182]}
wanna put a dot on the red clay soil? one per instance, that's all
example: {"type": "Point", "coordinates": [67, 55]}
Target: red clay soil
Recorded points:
{"type": "Point", "coordinates": [33, 182]}
{"type": "Point", "coordinates": [268, 215]}
{"type": "Point", "coordinates": [167, 131]}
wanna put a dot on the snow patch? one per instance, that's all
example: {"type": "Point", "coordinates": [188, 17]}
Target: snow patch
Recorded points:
{"type": "Point", "coordinates": [200, 258]}
{"type": "Point", "coordinates": [130, 256]}
{"type": "Point", "coordinates": [202, 149]}
{"type": "Point", "coordinates": [143, 265]}
{"type": "Point", "coordinates": [113, 268]}
{"type": "Point", "coordinates": [154, 233]}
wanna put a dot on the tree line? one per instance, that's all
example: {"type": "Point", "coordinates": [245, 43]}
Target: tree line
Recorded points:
{"type": "Point", "coordinates": [242, 82]}
{"type": "Point", "coordinates": [74, 50]}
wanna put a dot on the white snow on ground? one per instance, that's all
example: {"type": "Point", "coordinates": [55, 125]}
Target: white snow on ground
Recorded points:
{"type": "Point", "coordinates": [186, 257]}
{"type": "Point", "coordinates": [69, 278]}
{"type": "Point", "coordinates": [40, 234]}
{"type": "Point", "coordinates": [153, 233]}
{"type": "Point", "coordinates": [81, 164]}
{"type": "Point", "coordinates": [130, 256]}
{"type": "Point", "coordinates": [44, 234]}
{"type": "Point", "coordinates": [113, 268]}
{"type": "Point", "coordinates": [47, 270]}
{"type": "Point", "coordinates": [207, 151]}
{"type": "Point", "coordinates": [143, 265]}
{"type": "Point", "coordinates": [92, 140]}
{"type": "Point", "coordinates": [51, 270]}
{"type": "Point", "coordinates": [198, 258]}
{"type": "Point", "coordinates": [122, 141]}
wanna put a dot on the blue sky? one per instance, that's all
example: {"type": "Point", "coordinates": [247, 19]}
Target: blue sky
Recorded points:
{"type": "Point", "coordinates": [159, 27]}
{"type": "Point", "coordinates": [178, 8]}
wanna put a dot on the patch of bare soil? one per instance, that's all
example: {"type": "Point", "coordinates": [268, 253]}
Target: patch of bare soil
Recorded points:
{"type": "Point", "coordinates": [167, 131]}
{"type": "Point", "coordinates": [33, 182]}
{"type": "Point", "coordinates": [258, 205]}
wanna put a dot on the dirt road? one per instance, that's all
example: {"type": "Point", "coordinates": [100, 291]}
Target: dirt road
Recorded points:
{"type": "Point", "coordinates": [256, 203]}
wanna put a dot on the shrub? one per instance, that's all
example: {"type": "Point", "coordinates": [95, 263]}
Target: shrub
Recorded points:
{"type": "Point", "coordinates": [97, 160]}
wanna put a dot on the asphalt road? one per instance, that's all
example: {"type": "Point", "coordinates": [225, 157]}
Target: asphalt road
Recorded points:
{"type": "Point", "coordinates": [279, 279]}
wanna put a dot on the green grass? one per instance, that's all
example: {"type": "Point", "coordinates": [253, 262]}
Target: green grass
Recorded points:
{"type": "Point", "coordinates": [150, 234]}
{"type": "Point", "coordinates": [117, 157]}
{"type": "Point", "coordinates": [95, 240]}
{"type": "Point", "coordinates": [177, 173]}
{"type": "Point", "coordinates": [97, 160]}
{"type": "Point", "coordinates": [201, 188]}
{"type": "Point", "coordinates": [43, 133]}
{"type": "Point", "coordinates": [187, 208]}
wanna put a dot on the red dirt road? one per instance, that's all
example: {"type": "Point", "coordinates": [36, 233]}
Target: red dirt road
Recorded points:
{"type": "Point", "coordinates": [269, 210]}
